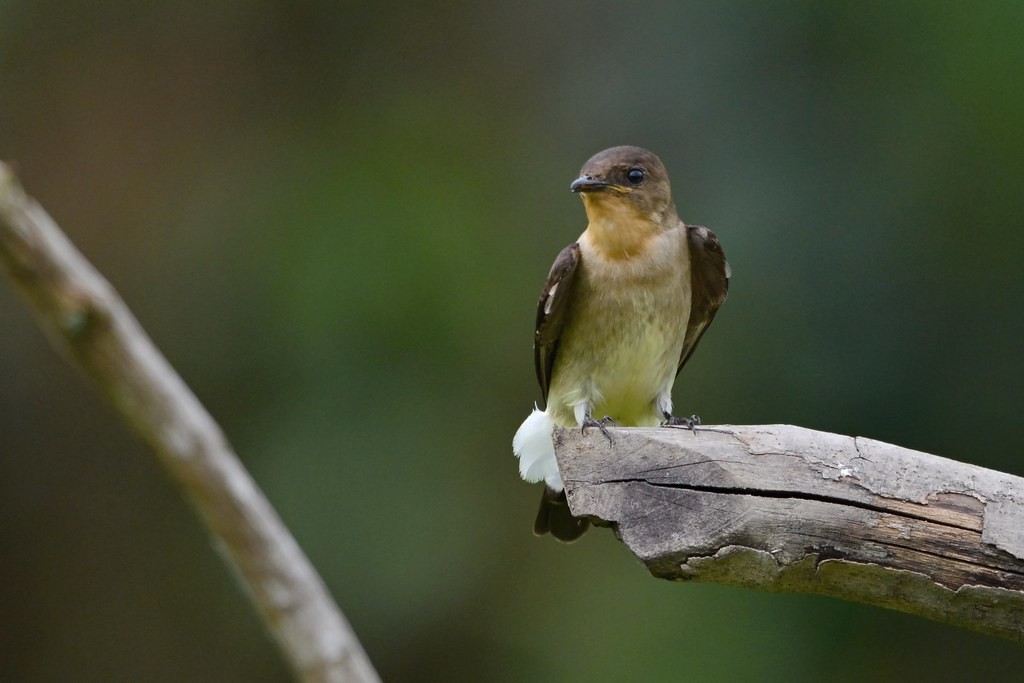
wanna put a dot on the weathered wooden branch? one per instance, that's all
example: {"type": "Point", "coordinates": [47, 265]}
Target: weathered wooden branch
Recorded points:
{"type": "Point", "coordinates": [783, 508]}
{"type": "Point", "coordinates": [86, 320]}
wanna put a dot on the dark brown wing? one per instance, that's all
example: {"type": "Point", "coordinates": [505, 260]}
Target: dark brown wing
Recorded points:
{"type": "Point", "coordinates": [552, 312]}
{"type": "Point", "coordinates": [709, 282]}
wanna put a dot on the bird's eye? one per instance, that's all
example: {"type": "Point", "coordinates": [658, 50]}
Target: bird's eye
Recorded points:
{"type": "Point", "coordinates": [635, 176]}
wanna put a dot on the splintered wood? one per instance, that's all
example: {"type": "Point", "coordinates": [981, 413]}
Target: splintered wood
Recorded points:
{"type": "Point", "coordinates": [782, 508]}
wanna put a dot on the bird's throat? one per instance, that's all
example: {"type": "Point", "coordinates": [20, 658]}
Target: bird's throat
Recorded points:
{"type": "Point", "coordinates": [616, 229]}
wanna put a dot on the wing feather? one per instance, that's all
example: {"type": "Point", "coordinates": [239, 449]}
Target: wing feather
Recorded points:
{"type": "Point", "coordinates": [709, 282]}
{"type": "Point", "coordinates": [552, 313]}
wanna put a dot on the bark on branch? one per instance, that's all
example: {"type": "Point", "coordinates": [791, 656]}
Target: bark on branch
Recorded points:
{"type": "Point", "coordinates": [86, 320]}
{"type": "Point", "coordinates": [783, 508]}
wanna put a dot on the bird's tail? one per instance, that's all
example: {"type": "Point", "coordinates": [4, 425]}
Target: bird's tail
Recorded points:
{"type": "Point", "coordinates": [554, 517]}
{"type": "Point", "coordinates": [533, 446]}
{"type": "Point", "coordinates": [536, 452]}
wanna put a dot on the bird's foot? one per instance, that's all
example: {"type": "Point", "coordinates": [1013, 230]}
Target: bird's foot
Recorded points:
{"type": "Point", "coordinates": [600, 424]}
{"type": "Point", "coordinates": [690, 423]}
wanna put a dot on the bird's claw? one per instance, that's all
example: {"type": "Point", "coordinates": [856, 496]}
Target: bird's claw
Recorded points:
{"type": "Point", "coordinates": [690, 423]}
{"type": "Point", "coordinates": [600, 424]}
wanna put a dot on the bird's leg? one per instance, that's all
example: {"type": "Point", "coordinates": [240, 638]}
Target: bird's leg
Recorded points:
{"type": "Point", "coordinates": [588, 421]}
{"type": "Point", "coordinates": [690, 423]}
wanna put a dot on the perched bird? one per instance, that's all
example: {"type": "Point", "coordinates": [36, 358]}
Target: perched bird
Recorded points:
{"type": "Point", "coordinates": [620, 314]}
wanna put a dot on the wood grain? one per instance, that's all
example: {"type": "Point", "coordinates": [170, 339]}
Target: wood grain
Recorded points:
{"type": "Point", "coordinates": [783, 508]}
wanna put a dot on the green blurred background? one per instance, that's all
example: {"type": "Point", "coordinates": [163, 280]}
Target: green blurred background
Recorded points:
{"type": "Point", "coordinates": [335, 218]}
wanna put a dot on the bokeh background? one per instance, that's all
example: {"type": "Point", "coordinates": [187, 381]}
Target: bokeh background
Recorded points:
{"type": "Point", "coordinates": [335, 218]}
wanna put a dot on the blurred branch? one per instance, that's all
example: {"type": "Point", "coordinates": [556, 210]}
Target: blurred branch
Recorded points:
{"type": "Point", "coordinates": [782, 508]}
{"type": "Point", "coordinates": [86, 320]}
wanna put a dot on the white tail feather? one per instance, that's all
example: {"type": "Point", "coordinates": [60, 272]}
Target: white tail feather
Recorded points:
{"type": "Point", "coordinates": [536, 452]}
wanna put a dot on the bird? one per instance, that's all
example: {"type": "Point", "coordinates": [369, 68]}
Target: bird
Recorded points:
{"type": "Point", "coordinates": [621, 312]}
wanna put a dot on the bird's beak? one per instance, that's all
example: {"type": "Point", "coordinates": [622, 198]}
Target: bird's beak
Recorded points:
{"type": "Point", "coordinates": [588, 184]}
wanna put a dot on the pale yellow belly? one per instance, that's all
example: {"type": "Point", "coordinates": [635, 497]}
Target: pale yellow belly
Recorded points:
{"type": "Point", "coordinates": [633, 377]}
{"type": "Point", "coordinates": [618, 357]}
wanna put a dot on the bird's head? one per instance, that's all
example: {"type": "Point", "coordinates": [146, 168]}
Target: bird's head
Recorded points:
{"type": "Point", "coordinates": [627, 196]}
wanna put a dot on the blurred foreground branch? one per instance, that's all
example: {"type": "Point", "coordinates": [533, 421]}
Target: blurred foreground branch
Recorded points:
{"type": "Point", "coordinates": [86, 320]}
{"type": "Point", "coordinates": [782, 508]}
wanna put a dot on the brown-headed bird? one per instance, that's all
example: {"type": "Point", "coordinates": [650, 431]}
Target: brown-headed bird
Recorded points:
{"type": "Point", "coordinates": [620, 314]}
